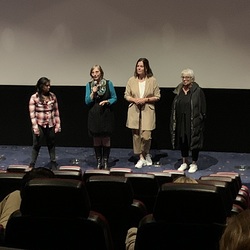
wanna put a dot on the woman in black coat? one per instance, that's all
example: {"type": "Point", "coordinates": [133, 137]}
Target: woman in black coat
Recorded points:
{"type": "Point", "coordinates": [187, 119]}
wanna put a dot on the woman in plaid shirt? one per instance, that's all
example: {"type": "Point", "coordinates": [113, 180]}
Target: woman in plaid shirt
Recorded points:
{"type": "Point", "coordinates": [45, 119]}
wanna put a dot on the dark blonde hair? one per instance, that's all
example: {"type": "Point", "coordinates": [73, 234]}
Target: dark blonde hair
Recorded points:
{"type": "Point", "coordinates": [185, 179]}
{"type": "Point", "coordinates": [99, 67]}
{"type": "Point", "coordinates": [237, 233]}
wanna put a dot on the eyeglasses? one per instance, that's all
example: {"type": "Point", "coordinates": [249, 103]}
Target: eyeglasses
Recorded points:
{"type": "Point", "coordinates": [186, 77]}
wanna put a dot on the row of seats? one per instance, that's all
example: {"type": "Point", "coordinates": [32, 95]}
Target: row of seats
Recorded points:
{"type": "Point", "coordinates": [121, 199]}
{"type": "Point", "coordinates": [112, 197]}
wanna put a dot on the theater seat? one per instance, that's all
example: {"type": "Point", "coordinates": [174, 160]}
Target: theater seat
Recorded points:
{"type": "Point", "coordinates": [90, 172]}
{"type": "Point", "coordinates": [163, 177]}
{"type": "Point", "coordinates": [112, 196]}
{"type": "Point", "coordinates": [18, 168]}
{"type": "Point", "coordinates": [223, 187]}
{"type": "Point", "coordinates": [174, 173]}
{"type": "Point", "coordinates": [9, 182]}
{"type": "Point", "coordinates": [186, 216]}
{"type": "Point", "coordinates": [55, 214]}
{"type": "Point", "coordinates": [145, 188]}
{"type": "Point", "coordinates": [233, 185]}
{"type": "Point", "coordinates": [68, 174]}
{"type": "Point", "coordinates": [120, 171]}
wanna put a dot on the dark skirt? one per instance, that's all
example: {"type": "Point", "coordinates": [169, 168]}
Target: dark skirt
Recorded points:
{"type": "Point", "coordinates": [101, 120]}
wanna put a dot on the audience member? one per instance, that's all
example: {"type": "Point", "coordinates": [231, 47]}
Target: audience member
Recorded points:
{"type": "Point", "coordinates": [12, 201]}
{"type": "Point", "coordinates": [185, 179]}
{"type": "Point", "coordinates": [237, 233]}
{"type": "Point", "coordinates": [131, 234]}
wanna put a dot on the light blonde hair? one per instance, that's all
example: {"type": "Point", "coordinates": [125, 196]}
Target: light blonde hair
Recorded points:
{"type": "Point", "coordinates": [188, 72]}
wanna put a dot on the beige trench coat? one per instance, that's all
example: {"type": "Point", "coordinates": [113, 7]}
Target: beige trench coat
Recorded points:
{"type": "Point", "coordinates": [148, 120]}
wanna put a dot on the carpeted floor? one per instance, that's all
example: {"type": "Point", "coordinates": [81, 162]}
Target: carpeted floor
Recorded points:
{"type": "Point", "coordinates": [209, 162]}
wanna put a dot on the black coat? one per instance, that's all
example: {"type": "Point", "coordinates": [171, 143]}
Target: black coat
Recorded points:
{"type": "Point", "coordinates": [197, 115]}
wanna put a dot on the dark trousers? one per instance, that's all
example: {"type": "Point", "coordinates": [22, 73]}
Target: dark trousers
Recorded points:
{"type": "Point", "coordinates": [185, 149]}
{"type": "Point", "coordinates": [47, 134]}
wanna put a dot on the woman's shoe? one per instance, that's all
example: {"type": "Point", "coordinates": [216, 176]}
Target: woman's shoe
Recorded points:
{"type": "Point", "coordinates": [193, 168]}
{"type": "Point", "coordinates": [183, 167]}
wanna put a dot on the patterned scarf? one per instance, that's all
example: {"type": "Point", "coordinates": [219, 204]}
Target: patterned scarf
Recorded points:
{"type": "Point", "coordinates": [101, 86]}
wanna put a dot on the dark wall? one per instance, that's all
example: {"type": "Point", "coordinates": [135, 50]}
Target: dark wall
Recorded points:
{"type": "Point", "coordinates": [227, 124]}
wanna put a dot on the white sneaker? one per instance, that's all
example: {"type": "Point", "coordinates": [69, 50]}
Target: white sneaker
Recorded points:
{"type": "Point", "coordinates": [148, 160]}
{"type": "Point", "coordinates": [183, 167]}
{"type": "Point", "coordinates": [193, 168]}
{"type": "Point", "coordinates": [140, 163]}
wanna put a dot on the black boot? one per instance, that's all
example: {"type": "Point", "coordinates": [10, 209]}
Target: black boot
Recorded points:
{"type": "Point", "coordinates": [99, 162]}
{"type": "Point", "coordinates": [98, 154]}
{"type": "Point", "coordinates": [53, 165]}
{"type": "Point", "coordinates": [106, 152]}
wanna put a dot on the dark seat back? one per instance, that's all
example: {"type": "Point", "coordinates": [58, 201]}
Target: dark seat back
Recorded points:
{"type": "Point", "coordinates": [90, 172]}
{"type": "Point", "coordinates": [112, 196]}
{"type": "Point", "coordinates": [55, 197]}
{"type": "Point", "coordinates": [55, 214]}
{"type": "Point", "coordinates": [68, 174]}
{"type": "Point", "coordinates": [145, 188]}
{"type": "Point", "coordinates": [186, 216]}
{"type": "Point", "coordinates": [9, 182]}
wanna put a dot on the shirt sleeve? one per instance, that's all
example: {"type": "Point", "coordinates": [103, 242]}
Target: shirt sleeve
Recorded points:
{"type": "Point", "coordinates": [113, 97]}
{"type": "Point", "coordinates": [88, 99]}
{"type": "Point", "coordinates": [32, 110]}
{"type": "Point", "coordinates": [56, 114]}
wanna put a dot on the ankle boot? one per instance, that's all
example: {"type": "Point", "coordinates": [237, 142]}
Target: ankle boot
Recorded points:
{"type": "Point", "coordinates": [105, 163]}
{"type": "Point", "coordinates": [99, 162]}
{"type": "Point", "coordinates": [98, 154]}
{"type": "Point", "coordinates": [106, 152]}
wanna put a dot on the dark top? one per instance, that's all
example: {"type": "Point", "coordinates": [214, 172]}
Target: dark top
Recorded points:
{"type": "Point", "coordinates": [183, 116]}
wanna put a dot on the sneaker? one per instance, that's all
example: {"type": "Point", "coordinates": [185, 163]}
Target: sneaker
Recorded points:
{"type": "Point", "coordinates": [148, 160]}
{"type": "Point", "coordinates": [193, 168]}
{"type": "Point", "coordinates": [183, 167]}
{"type": "Point", "coordinates": [140, 163]}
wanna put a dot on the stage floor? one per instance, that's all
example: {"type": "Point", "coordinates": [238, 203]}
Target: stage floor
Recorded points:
{"type": "Point", "coordinates": [209, 162]}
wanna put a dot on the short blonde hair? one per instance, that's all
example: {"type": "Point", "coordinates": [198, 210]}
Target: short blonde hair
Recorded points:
{"type": "Point", "coordinates": [188, 72]}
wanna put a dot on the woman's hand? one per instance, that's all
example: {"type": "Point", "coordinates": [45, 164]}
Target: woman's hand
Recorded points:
{"type": "Point", "coordinates": [102, 103]}
{"type": "Point", "coordinates": [140, 101]}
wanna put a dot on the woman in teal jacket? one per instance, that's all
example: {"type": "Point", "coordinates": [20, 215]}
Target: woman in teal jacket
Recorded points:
{"type": "Point", "coordinates": [100, 97]}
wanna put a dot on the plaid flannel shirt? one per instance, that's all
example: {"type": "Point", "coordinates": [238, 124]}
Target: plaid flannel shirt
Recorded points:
{"type": "Point", "coordinates": [44, 113]}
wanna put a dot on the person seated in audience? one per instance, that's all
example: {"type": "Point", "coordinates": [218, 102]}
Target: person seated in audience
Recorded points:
{"type": "Point", "coordinates": [185, 179]}
{"type": "Point", "coordinates": [12, 201]}
{"type": "Point", "coordinates": [131, 234]}
{"type": "Point", "coordinates": [237, 233]}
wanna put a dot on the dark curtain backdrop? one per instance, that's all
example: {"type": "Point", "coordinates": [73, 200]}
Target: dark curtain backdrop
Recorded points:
{"type": "Point", "coordinates": [227, 124]}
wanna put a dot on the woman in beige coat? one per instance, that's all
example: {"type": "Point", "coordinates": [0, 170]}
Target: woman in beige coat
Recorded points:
{"type": "Point", "coordinates": [142, 91]}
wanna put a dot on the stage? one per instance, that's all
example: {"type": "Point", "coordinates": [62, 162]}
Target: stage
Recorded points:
{"type": "Point", "coordinates": [208, 163]}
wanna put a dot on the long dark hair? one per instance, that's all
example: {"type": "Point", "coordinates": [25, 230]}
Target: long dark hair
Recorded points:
{"type": "Point", "coordinates": [147, 70]}
{"type": "Point", "coordinates": [39, 86]}
{"type": "Point", "coordinates": [40, 83]}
